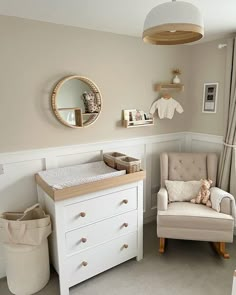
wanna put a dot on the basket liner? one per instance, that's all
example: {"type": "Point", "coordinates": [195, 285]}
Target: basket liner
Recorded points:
{"type": "Point", "coordinates": [30, 227]}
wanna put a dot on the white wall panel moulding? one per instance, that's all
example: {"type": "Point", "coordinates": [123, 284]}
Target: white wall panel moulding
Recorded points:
{"type": "Point", "coordinates": [20, 167]}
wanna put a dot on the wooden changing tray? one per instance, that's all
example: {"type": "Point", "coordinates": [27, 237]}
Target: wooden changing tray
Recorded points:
{"type": "Point", "coordinates": [86, 188]}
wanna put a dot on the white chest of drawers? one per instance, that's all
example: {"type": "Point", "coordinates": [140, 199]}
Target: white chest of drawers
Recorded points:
{"type": "Point", "coordinates": [95, 231]}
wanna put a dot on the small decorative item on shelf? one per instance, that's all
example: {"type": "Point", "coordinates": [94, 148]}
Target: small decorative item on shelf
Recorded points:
{"type": "Point", "coordinates": [110, 158]}
{"type": "Point", "coordinates": [176, 73]}
{"type": "Point", "coordinates": [131, 165]}
{"type": "Point", "coordinates": [148, 116]}
{"type": "Point", "coordinates": [138, 116]}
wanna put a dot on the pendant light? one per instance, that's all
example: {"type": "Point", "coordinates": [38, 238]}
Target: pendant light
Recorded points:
{"type": "Point", "coordinates": [172, 23]}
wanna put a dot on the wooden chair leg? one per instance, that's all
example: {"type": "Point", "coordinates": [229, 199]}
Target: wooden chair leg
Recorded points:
{"type": "Point", "coordinates": [220, 249]}
{"type": "Point", "coordinates": [162, 245]}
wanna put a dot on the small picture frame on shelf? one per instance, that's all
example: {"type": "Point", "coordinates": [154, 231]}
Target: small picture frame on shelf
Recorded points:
{"type": "Point", "coordinates": [138, 116]}
{"type": "Point", "coordinates": [210, 93]}
{"type": "Point", "coordinates": [127, 114]}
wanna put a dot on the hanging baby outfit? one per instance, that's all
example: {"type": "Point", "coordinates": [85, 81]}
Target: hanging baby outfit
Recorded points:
{"type": "Point", "coordinates": [166, 108]}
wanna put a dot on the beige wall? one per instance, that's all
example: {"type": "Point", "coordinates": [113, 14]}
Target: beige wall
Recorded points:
{"type": "Point", "coordinates": [208, 64]}
{"type": "Point", "coordinates": [35, 55]}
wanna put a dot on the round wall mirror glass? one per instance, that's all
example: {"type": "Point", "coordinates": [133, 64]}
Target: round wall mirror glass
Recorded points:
{"type": "Point", "coordinates": [76, 101]}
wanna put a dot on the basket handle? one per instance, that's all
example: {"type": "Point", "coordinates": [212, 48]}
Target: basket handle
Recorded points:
{"type": "Point", "coordinates": [35, 206]}
{"type": "Point", "coordinates": [9, 232]}
{"type": "Point", "coordinates": [32, 208]}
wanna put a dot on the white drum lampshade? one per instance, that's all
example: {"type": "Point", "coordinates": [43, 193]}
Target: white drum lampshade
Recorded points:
{"type": "Point", "coordinates": [172, 23]}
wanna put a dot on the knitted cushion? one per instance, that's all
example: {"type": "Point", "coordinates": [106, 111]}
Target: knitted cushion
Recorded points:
{"type": "Point", "coordinates": [90, 102]}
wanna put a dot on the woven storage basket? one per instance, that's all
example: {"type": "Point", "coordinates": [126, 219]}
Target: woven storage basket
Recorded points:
{"type": "Point", "coordinates": [110, 158]}
{"type": "Point", "coordinates": [129, 164]}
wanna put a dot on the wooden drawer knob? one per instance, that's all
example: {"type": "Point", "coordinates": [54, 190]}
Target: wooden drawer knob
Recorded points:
{"type": "Point", "coordinates": [84, 263]}
{"type": "Point", "coordinates": [126, 246]}
{"type": "Point", "coordinates": [126, 224]}
{"type": "Point", "coordinates": [83, 240]}
{"type": "Point", "coordinates": [82, 214]}
{"type": "Point", "coordinates": [125, 201]}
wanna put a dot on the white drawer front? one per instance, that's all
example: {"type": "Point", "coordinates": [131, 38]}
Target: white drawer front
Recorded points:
{"type": "Point", "coordinates": [98, 259]}
{"type": "Point", "coordinates": [102, 207]}
{"type": "Point", "coordinates": [100, 232]}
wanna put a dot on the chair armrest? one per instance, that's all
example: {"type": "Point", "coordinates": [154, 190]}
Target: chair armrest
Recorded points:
{"type": "Point", "coordinates": [162, 199]}
{"type": "Point", "coordinates": [222, 201]}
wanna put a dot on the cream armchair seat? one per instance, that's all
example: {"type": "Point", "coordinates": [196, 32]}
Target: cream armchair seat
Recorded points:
{"type": "Point", "coordinates": [188, 221]}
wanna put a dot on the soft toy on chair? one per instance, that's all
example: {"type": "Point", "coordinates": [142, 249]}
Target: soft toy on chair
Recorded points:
{"type": "Point", "coordinates": [203, 196]}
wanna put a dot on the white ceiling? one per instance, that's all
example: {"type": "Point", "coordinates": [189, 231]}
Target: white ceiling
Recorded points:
{"type": "Point", "coordinates": [118, 16]}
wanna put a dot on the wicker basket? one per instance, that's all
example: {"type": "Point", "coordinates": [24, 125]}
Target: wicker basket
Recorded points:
{"type": "Point", "coordinates": [110, 158]}
{"type": "Point", "coordinates": [129, 164]}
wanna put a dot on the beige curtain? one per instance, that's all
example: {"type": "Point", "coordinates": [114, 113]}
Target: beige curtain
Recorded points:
{"type": "Point", "coordinates": [227, 167]}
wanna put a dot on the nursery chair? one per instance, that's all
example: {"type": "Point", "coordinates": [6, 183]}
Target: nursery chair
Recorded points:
{"type": "Point", "coordinates": [188, 221]}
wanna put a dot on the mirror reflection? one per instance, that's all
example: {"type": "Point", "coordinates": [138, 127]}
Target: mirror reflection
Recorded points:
{"type": "Point", "coordinates": [76, 101]}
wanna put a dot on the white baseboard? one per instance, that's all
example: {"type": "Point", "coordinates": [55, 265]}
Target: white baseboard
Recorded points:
{"type": "Point", "coordinates": [2, 268]}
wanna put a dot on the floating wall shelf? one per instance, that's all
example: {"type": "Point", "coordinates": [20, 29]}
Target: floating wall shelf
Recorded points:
{"type": "Point", "coordinates": [132, 124]}
{"type": "Point", "coordinates": [162, 86]}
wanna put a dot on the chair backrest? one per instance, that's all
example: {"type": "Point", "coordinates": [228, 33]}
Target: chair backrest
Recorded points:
{"type": "Point", "coordinates": [188, 166]}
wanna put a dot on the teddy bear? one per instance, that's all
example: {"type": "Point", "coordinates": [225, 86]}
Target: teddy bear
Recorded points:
{"type": "Point", "coordinates": [203, 196]}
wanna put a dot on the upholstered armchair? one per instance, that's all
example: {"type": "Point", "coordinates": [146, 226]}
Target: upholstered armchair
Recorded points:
{"type": "Point", "coordinates": [188, 221]}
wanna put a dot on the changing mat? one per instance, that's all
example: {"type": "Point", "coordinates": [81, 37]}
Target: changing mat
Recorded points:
{"type": "Point", "coordinates": [60, 178]}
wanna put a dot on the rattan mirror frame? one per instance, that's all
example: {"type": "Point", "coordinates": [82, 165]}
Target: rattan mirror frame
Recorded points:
{"type": "Point", "coordinates": [56, 90]}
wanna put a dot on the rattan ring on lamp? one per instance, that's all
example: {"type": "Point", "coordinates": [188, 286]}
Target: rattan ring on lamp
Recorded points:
{"type": "Point", "coordinates": [173, 23]}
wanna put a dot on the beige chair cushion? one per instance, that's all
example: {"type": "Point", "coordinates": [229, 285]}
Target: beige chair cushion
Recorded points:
{"type": "Point", "coordinates": [182, 191]}
{"type": "Point", "coordinates": [188, 166]}
{"type": "Point", "coordinates": [194, 216]}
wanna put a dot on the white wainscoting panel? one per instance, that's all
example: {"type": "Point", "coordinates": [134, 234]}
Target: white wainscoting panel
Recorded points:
{"type": "Point", "coordinates": [204, 143]}
{"type": "Point", "coordinates": [79, 158]}
{"type": "Point", "coordinates": [17, 185]}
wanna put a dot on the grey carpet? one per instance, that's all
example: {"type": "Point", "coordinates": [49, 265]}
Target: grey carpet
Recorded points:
{"type": "Point", "coordinates": [187, 268]}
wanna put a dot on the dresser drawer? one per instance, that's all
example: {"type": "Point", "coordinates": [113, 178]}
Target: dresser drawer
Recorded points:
{"type": "Point", "coordinates": [99, 208]}
{"type": "Point", "coordinates": [98, 259]}
{"type": "Point", "coordinates": [100, 232]}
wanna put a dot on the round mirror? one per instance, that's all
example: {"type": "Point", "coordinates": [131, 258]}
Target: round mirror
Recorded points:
{"type": "Point", "coordinates": [76, 101]}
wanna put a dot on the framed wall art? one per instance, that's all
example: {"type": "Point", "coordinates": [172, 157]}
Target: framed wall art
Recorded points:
{"type": "Point", "coordinates": [210, 93]}
{"type": "Point", "coordinates": [138, 116]}
{"type": "Point", "coordinates": [128, 114]}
